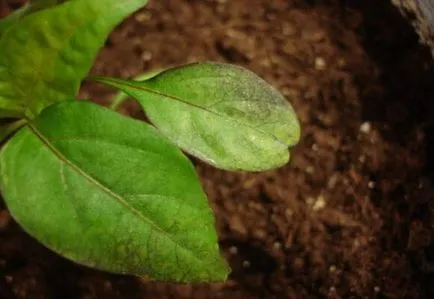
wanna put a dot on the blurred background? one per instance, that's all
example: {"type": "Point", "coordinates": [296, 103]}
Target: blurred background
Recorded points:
{"type": "Point", "coordinates": [352, 214]}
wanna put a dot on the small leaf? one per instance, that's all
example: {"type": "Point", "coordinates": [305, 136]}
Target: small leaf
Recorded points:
{"type": "Point", "coordinates": [109, 192]}
{"type": "Point", "coordinates": [220, 113]}
{"type": "Point", "coordinates": [45, 56]}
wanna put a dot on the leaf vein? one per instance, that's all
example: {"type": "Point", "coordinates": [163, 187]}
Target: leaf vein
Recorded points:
{"type": "Point", "coordinates": [115, 196]}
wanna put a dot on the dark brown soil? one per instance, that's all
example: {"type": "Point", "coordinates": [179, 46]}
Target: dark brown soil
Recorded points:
{"type": "Point", "coordinates": [352, 215]}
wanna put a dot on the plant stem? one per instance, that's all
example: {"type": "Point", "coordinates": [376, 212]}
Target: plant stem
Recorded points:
{"type": "Point", "coordinates": [8, 129]}
{"type": "Point", "coordinates": [120, 97]}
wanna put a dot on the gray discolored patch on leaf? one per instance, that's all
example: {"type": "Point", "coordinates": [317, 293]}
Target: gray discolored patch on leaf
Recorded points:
{"type": "Point", "coordinates": [223, 114]}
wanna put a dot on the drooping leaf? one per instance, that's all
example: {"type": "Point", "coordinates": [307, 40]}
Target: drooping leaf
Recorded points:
{"type": "Point", "coordinates": [223, 114]}
{"type": "Point", "coordinates": [109, 192]}
{"type": "Point", "coordinates": [45, 56]}
{"type": "Point", "coordinates": [26, 9]}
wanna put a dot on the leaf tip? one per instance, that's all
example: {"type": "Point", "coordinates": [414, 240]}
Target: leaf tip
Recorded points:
{"type": "Point", "coordinates": [220, 271]}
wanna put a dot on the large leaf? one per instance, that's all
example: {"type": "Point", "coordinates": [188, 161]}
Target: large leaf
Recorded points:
{"type": "Point", "coordinates": [221, 113]}
{"type": "Point", "coordinates": [45, 56]}
{"type": "Point", "coordinates": [110, 192]}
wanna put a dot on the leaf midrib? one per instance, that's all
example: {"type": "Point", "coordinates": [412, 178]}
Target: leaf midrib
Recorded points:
{"type": "Point", "coordinates": [103, 188]}
{"type": "Point", "coordinates": [175, 98]}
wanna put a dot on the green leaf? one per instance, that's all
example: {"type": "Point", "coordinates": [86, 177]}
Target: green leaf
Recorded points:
{"type": "Point", "coordinates": [45, 56]}
{"type": "Point", "coordinates": [109, 192]}
{"type": "Point", "coordinates": [223, 114]}
{"type": "Point", "coordinates": [26, 9]}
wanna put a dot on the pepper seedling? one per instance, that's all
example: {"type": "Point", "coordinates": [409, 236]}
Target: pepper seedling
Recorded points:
{"type": "Point", "coordinates": [108, 191]}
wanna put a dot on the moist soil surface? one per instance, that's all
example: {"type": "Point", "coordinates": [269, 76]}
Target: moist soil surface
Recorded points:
{"type": "Point", "coordinates": [352, 214]}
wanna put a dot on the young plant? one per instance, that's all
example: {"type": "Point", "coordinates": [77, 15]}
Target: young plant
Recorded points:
{"type": "Point", "coordinates": [112, 192]}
